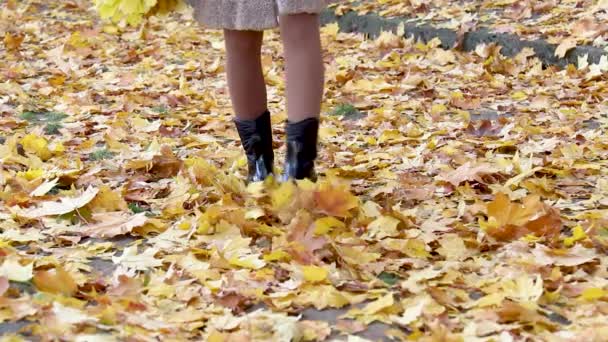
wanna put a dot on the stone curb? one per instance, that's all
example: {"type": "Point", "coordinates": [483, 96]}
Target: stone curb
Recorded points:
{"type": "Point", "coordinates": [373, 25]}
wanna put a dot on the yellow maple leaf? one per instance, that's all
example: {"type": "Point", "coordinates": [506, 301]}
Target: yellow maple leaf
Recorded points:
{"type": "Point", "coordinates": [331, 30]}
{"type": "Point", "coordinates": [314, 274]}
{"type": "Point", "coordinates": [593, 293]}
{"type": "Point", "coordinates": [35, 144]}
{"type": "Point", "coordinates": [31, 174]}
{"type": "Point", "coordinates": [382, 227]}
{"type": "Point", "coordinates": [325, 224]}
{"type": "Point", "coordinates": [277, 255]}
{"type": "Point", "coordinates": [107, 200]}
{"type": "Point", "coordinates": [578, 234]}
{"type": "Point", "coordinates": [283, 195]}
{"type": "Point", "coordinates": [323, 296]}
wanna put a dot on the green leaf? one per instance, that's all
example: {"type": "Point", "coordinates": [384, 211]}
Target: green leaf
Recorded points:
{"type": "Point", "coordinates": [389, 278]}
{"type": "Point", "coordinates": [135, 208]}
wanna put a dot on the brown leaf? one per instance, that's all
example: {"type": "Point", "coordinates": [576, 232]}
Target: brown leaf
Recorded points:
{"type": "Point", "coordinates": [302, 238]}
{"type": "Point", "coordinates": [4, 285]}
{"type": "Point", "coordinates": [458, 100]}
{"type": "Point", "coordinates": [514, 312]}
{"type": "Point", "coordinates": [485, 129]}
{"type": "Point", "coordinates": [165, 165]}
{"type": "Point", "coordinates": [126, 286]}
{"type": "Point", "coordinates": [236, 302]}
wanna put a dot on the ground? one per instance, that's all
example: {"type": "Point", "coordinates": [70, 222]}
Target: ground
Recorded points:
{"type": "Point", "coordinates": [463, 196]}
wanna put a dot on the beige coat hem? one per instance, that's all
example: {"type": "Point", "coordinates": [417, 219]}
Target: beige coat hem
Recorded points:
{"type": "Point", "coordinates": [255, 15]}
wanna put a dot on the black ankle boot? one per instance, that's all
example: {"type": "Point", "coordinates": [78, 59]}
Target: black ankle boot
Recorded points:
{"type": "Point", "coordinates": [301, 150]}
{"type": "Point", "coordinates": [256, 137]}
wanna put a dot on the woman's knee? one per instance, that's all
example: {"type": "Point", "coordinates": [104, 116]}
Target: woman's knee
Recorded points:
{"type": "Point", "coordinates": [245, 41]}
{"type": "Point", "coordinates": [299, 29]}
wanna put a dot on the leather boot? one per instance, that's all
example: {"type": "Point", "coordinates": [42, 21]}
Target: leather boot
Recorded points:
{"type": "Point", "coordinates": [302, 138]}
{"type": "Point", "coordinates": [256, 138]}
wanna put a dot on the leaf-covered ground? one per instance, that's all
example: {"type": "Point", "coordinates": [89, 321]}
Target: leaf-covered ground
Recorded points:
{"type": "Point", "coordinates": [579, 22]}
{"type": "Point", "coordinates": [464, 196]}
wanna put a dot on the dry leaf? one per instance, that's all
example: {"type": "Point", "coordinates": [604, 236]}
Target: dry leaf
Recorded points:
{"type": "Point", "coordinates": [56, 280]}
{"type": "Point", "coordinates": [113, 224]}
{"type": "Point", "coordinates": [565, 46]}
{"type": "Point", "coordinates": [508, 220]}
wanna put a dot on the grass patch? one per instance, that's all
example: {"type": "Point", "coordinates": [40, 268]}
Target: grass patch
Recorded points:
{"type": "Point", "coordinates": [160, 110]}
{"type": "Point", "coordinates": [345, 109]}
{"type": "Point", "coordinates": [52, 128]}
{"type": "Point", "coordinates": [43, 117]}
{"type": "Point", "coordinates": [51, 120]}
{"type": "Point", "coordinates": [101, 155]}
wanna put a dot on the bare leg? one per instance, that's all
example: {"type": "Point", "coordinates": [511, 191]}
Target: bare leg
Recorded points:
{"type": "Point", "coordinates": [304, 64]}
{"type": "Point", "coordinates": [245, 75]}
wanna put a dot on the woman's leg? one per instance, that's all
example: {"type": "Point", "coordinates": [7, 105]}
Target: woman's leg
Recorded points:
{"type": "Point", "coordinates": [304, 65]}
{"type": "Point", "coordinates": [249, 100]}
{"type": "Point", "coordinates": [305, 82]}
{"type": "Point", "coordinates": [245, 76]}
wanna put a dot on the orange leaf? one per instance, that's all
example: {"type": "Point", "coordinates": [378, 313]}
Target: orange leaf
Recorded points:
{"type": "Point", "coordinates": [56, 280]}
{"type": "Point", "coordinates": [13, 41]}
{"type": "Point", "coordinates": [508, 220]}
{"type": "Point", "coordinates": [335, 199]}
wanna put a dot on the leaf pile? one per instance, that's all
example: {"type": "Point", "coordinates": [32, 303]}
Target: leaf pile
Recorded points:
{"type": "Point", "coordinates": [558, 21]}
{"type": "Point", "coordinates": [462, 197]}
{"type": "Point", "coordinates": [133, 12]}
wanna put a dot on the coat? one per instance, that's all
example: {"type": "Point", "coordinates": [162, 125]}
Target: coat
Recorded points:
{"type": "Point", "coordinates": [256, 15]}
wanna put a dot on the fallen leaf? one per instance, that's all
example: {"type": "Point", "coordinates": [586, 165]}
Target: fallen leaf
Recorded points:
{"type": "Point", "coordinates": [382, 227]}
{"type": "Point", "coordinates": [141, 262]}
{"type": "Point", "coordinates": [44, 188]}
{"type": "Point", "coordinates": [593, 294]}
{"type": "Point", "coordinates": [13, 41]}
{"type": "Point", "coordinates": [452, 247]}
{"type": "Point", "coordinates": [4, 285]}
{"type": "Point", "coordinates": [508, 221]}
{"type": "Point", "coordinates": [56, 280]}
{"type": "Point", "coordinates": [64, 206]}
{"type": "Point", "coordinates": [12, 270]}
{"type": "Point", "coordinates": [411, 313]}
{"type": "Point", "coordinates": [165, 165]}
{"type": "Point", "coordinates": [314, 274]}
{"type": "Point", "coordinates": [565, 46]}
{"type": "Point", "coordinates": [113, 224]}
{"type": "Point", "coordinates": [334, 199]}
{"type": "Point", "coordinates": [574, 256]}
{"type": "Point", "coordinates": [467, 172]}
